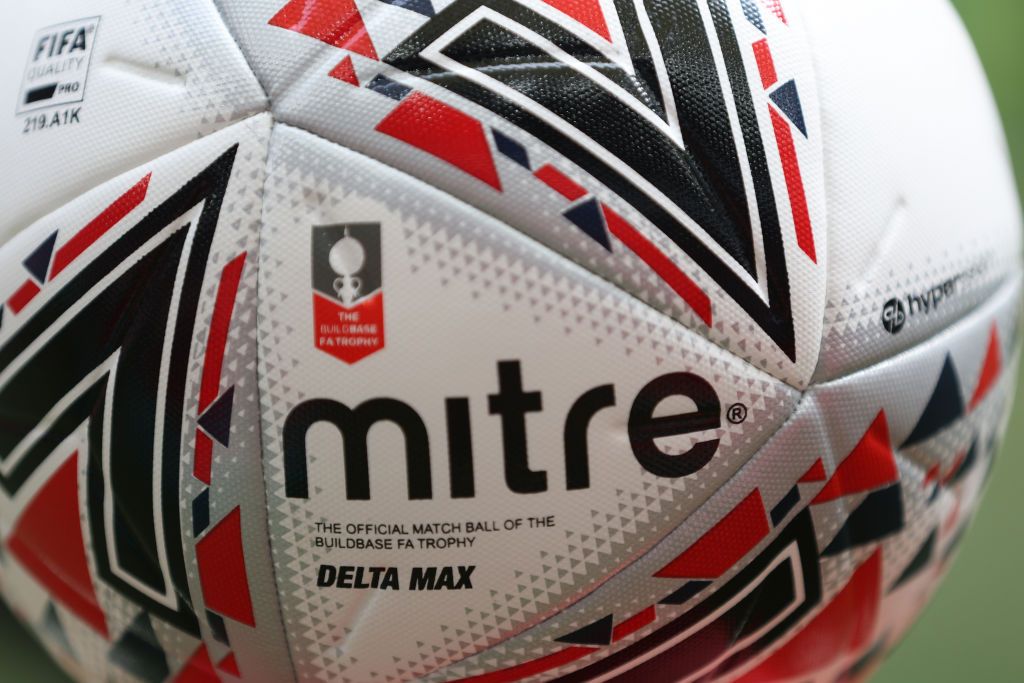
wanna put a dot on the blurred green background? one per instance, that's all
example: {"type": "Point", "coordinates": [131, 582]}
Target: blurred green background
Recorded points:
{"type": "Point", "coordinates": [973, 628]}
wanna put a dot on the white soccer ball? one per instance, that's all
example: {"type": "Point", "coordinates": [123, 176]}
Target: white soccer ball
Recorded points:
{"type": "Point", "coordinates": [672, 341]}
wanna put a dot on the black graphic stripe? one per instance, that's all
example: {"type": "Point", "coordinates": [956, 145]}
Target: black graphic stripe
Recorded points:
{"type": "Point", "coordinates": [126, 323]}
{"type": "Point", "coordinates": [704, 179]}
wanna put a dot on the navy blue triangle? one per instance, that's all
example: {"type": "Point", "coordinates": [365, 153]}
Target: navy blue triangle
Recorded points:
{"type": "Point", "coordinates": [419, 6]}
{"type": "Point", "coordinates": [218, 627]}
{"type": "Point", "coordinates": [38, 262]}
{"type": "Point", "coordinates": [878, 516]}
{"type": "Point", "coordinates": [753, 15]}
{"type": "Point", "coordinates": [389, 88]}
{"type": "Point", "coordinates": [685, 592]}
{"type": "Point", "coordinates": [922, 559]}
{"type": "Point", "coordinates": [140, 653]}
{"type": "Point", "coordinates": [200, 513]}
{"type": "Point", "coordinates": [216, 421]}
{"type": "Point", "coordinates": [512, 149]}
{"type": "Point", "coordinates": [595, 634]}
{"type": "Point", "coordinates": [787, 98]}
{"type": "Point", "coordinates": [945, 407]}
{"type": "Point", "coordinates": [588, 218]}
{"type": "Point", "coordinates": [785, 505]}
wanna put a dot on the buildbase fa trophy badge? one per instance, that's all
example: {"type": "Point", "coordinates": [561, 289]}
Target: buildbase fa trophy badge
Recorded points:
{"type": "Point", "coordinates": [348, 301]}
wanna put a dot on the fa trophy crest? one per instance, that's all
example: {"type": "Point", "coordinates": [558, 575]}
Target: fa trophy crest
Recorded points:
{"type": "Point", "coordinates": [348, 301]}
{"type": "Point", "coordinates": [347, 258]}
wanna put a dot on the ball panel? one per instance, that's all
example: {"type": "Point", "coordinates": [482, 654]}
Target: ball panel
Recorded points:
{"type": "Point", "coordinates": [143, 330]}
{"type": "Point", "coordinates": [878, 515]}
{"type": "Point", "coordinates": [139, 81]}
{"type": "Point", "coordinates": [924, 219]}
{"type": "Point", "coordinates": [717, 167]}
{"type": "Point", "coordinates": [487, 320]}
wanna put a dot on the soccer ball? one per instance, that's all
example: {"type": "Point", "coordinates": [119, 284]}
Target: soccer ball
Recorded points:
{"type": "Point", "coordinates": [494, 340]}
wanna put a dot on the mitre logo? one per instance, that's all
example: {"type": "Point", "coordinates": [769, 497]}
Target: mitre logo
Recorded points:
{"type": "Point", "coordinates": [348, 301]}
{"type": "Point", "coordinates": [510, 405]}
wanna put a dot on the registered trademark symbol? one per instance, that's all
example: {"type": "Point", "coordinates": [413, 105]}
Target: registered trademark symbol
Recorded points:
{"type": "Point", "coordinates": [737, 413]}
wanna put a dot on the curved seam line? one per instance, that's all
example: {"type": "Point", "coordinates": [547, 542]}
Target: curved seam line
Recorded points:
{"type": "Point", "coordinates": [550, 250]}
{"type": "Point", "coordinates": [997, 285]}
{"type": "Point", "coordinates": [259, 250]}
{"type": "Point", "coordinates": [805, 396]}
{"type": "Point", "coordinates": [653, 548]}
{"type": "Point", "coordinates": [270, 108]}
{"type": "Point", "coordinates": [278, 586]}
{"type": "Point", "coordinates": [242, 52]}
{"type": "Point", "coordinates": [801, 395]}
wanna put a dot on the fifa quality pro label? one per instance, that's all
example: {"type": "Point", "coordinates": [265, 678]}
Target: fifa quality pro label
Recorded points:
{"type": "Point", "coordinates": [58, 65]}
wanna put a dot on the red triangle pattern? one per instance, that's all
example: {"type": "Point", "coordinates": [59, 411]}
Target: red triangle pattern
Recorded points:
{"type": "Point", "coordinates": [587, 12]}
{"type": "Point", "coordinates": [444, 132]}
{"type": "Point", "coordinates": [345, 72]}
{"type": "Point", "coordinates": [724, 544]}
{"type": "Point", "coordinates": [199, 669]}
{"type": "Point", "coordinates": [990, 369]}
{"type": "Point", "coordinates": [870, 465]}
{"type": "Point", "coordinates": [229, 665]}
{"type": "Point", "coordinates": [844, 627]}
{"type": "Point", "coordinates": [47, 541]}
{"type": "Point", "coordinates": [222, 574]}
{"type": "Point", "coordinates": [335, 22]}
{"type": "Point", "coordinates": [656, 259]}
{"type": "Point", "coordinates": [636, 622]}
{"type": "Point", "coordinates": [815, 474]}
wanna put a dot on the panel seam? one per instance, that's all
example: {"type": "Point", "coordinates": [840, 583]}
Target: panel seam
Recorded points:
{"type": "Point", "coordinates": [266, 494]}
{"type": "Point", "coordinates": [243, 53]}
{"type": "Point", "coordinates": [551, 250]}
{"type": "Point", "coordinates": [798, 394]}
{"type": "Point", "coordinates": [802, 396]}
{"type": "Point", "coordinates": [279, 603]}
